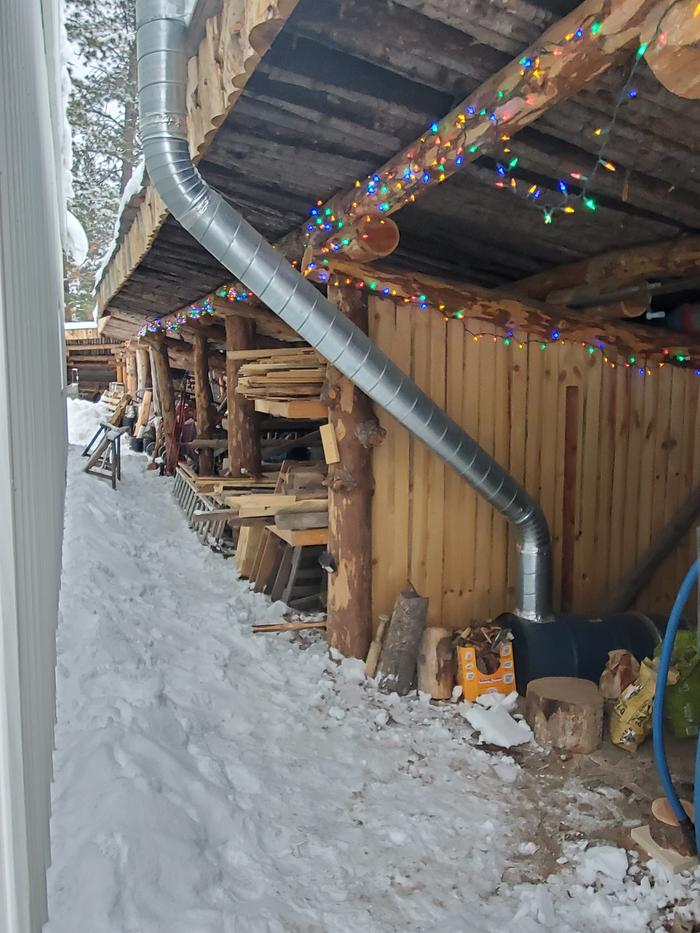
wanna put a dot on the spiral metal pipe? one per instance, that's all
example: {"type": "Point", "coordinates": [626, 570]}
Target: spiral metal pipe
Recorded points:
{"type": "Point", "coordinates": [220, 229]}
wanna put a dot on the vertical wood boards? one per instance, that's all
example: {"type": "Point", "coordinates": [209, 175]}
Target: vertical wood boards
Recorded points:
{"type": "Point", "coordinates": [609, 453]}
{"type": "Point", "coordinates": [391, 327]}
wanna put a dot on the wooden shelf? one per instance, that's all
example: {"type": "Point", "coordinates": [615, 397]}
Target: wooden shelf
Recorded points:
{"type": "Point", "coordinates": [312, 409]}
{"type": "Point", "coordinates": [310, 536]}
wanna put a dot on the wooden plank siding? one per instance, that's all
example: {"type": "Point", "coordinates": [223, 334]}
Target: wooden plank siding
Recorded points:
{"type": "Point", "coordinates": [610, 455]}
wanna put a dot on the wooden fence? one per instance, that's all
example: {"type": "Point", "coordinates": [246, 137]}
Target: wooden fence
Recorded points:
{"type": "Point", "coordinates": [610, 454]}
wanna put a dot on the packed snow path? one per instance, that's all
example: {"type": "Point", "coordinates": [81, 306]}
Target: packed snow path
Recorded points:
{"type": "Point", "coordinates": [211, 781]}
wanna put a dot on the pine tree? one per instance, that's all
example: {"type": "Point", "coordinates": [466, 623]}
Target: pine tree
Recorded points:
{"type": "Point", "coordinates": [103, 113]}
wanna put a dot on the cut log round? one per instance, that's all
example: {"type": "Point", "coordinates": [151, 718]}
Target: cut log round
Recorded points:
{"type": "Point", "coordinates": [399, 657]}
{"type": "Point", "coordinates": [565, 713]}
{"type": "Point", "coordinates": [672, 33]}
{"type": "Point", "coordinates": [665, 829]}
{"type": "Point", "coordinates": [436, 663]}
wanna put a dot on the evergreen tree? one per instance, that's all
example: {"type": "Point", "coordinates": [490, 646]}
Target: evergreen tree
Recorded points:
{"type": "Point", "coordinates": [103, 113]}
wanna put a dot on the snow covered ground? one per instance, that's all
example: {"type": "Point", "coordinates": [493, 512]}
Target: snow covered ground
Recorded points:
{"type": "Point", "coordinates": [211, 781]}
{"type": "Point", "coordinates": [84, 419]}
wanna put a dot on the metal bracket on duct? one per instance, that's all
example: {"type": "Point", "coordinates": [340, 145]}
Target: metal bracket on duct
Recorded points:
{"type": "Point", "coordinates": [265, 272]}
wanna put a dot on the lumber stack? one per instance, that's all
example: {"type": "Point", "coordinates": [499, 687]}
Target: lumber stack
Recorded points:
{"type": "Point", "coordinates": [283, 535]}
{"type": "Point", "coordinates": [277, 523]}
{"type": "Point", "coordinates": [284, 382]}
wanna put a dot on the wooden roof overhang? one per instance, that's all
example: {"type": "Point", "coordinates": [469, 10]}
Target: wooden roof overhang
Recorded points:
{"type": "Point", "coordinates": [345, 86]}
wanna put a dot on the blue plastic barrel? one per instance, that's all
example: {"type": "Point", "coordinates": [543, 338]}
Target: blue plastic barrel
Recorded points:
{"type": "Point", "coordinates": [576, 646]}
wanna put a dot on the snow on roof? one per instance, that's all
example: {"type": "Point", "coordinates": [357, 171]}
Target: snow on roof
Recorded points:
{"type": "Point", "coordinates": [134, 188]}
{"type": "Point", "coordinates": [80, 325]}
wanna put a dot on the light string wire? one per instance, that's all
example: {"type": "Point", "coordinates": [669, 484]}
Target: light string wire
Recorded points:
{"type": "Point", "coordinates": [325, 221]}
{"type": "Point", "coordinates": [644, 364]}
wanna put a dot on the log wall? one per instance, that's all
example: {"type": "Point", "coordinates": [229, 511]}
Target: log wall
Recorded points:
{"type": "Point", "coordinates": [610, 454]}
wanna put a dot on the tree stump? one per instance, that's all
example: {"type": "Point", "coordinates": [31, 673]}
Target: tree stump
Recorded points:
{"type": "Point", "coordinates": [565, 713]}
{"type": "Point", "coordinates": [436, 663]}
{"type": "Point", "coordinates": [665, 829]}
{"type": "Point", "coordinates": [397, 663]}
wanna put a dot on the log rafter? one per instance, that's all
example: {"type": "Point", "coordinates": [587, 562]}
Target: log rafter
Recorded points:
{"type": "Point", "coordinates": [474, 126]}
{"type": "Point", "coordinates": [507, 311]}
{"type": "Point", "coordinates": [233, 44]}
{"type": "Point", "coordinates": [615, 269]}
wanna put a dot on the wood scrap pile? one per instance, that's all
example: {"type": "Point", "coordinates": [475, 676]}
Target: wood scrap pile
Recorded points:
{"type": "Point", "coordinates": [486, 640]}
{"type": "Point", "coordinates": [277, 523]}
{"type": "Point", "coordinates": [282, 535]}
{"type": "Point", "coordinates": [120, 411]}
{"type": "Point", "coordinates": [113, 396]}
{"type": "Point", "coordinates": [284, 382]}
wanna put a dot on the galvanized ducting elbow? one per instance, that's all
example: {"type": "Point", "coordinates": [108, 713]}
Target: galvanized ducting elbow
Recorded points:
{"type": "Point", "coordinates": [266, 273]}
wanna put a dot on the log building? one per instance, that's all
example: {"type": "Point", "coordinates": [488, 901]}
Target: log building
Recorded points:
{"type": "Point", "coordinates": [505, 198]}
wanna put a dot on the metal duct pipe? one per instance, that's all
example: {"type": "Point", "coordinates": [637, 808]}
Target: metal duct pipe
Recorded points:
{"type": "Point", "coordinates": [266, 273]}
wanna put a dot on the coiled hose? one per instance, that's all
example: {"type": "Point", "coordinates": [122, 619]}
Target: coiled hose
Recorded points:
{"type": "Point", "coordinates": [687, 828]}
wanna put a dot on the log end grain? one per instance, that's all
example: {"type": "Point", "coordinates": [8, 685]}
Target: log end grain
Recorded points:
{"type": "Point", "coordinates": [565, 713]}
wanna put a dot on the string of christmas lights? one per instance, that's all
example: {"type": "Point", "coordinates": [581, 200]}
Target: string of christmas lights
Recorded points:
{"type": "Point", "coordinates": [577, 186]}
{"type": "Point", "coordinates": [572, 191]}
{"type": "Point", "coordinates": [171, 325]}
{"type": "Point", "coordinates": [509, 337]}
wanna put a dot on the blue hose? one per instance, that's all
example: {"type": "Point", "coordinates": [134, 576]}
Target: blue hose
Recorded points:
{"type": "Point", "coordinates": [658, 718]}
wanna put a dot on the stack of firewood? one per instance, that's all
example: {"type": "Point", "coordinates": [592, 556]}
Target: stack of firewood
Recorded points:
{"type": "Point", "coordinates": [486, 640]}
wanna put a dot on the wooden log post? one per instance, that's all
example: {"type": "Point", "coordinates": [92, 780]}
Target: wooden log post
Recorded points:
{"type": "Point", "coordinates": [243, 437]}
{"type": "Point", "coordinates": [143, 369]}
{"type": "Point", "coordinates": [154, 381]}
{"type": "Point", "coordinates": [131, 381]}
{"type": "Point", "coordinates": [614, 269]}
{"type": "Point", "coordinates": [204, 402]}
{"type": "Point", "coordinates": [674, 56]}
{"type": "Point", "coordinates": [350, 488]}
{"type": "Point", "coordinates": [166, 395]}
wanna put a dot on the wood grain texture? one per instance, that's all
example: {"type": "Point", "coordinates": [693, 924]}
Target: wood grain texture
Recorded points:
{"type": "Point", "coordinates": [243, 437]}
{"type": "Point", "coordinates": [234, 42]}
{"type": "Point", "coordinates": [610, 453]}
{"type": "Point", "coordinates": [350, 489]}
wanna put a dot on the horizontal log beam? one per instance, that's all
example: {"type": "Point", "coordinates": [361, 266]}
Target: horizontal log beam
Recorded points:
{"type": "Point", "coordinates": [616, 269]}
{"type": "Point", "coordinates": [266, 322]}
{"type": "Point", "coordinates": [510, 312]}
{"type": "Point", "coordinates": [181, 354]}
{"type": "Point", "coordinates": [554, 68]}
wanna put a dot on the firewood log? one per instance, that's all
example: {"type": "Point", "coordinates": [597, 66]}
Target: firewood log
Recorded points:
{"type": "Point", "coordinates": [399, 656]}
{"type": "Point", "coordinates": [565, 713]}
{"type": "Point", "coordinates": [436, 663]}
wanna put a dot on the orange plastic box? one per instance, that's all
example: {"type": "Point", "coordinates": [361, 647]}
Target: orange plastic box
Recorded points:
{"type": "Point", "coordinates": [474, 683]}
